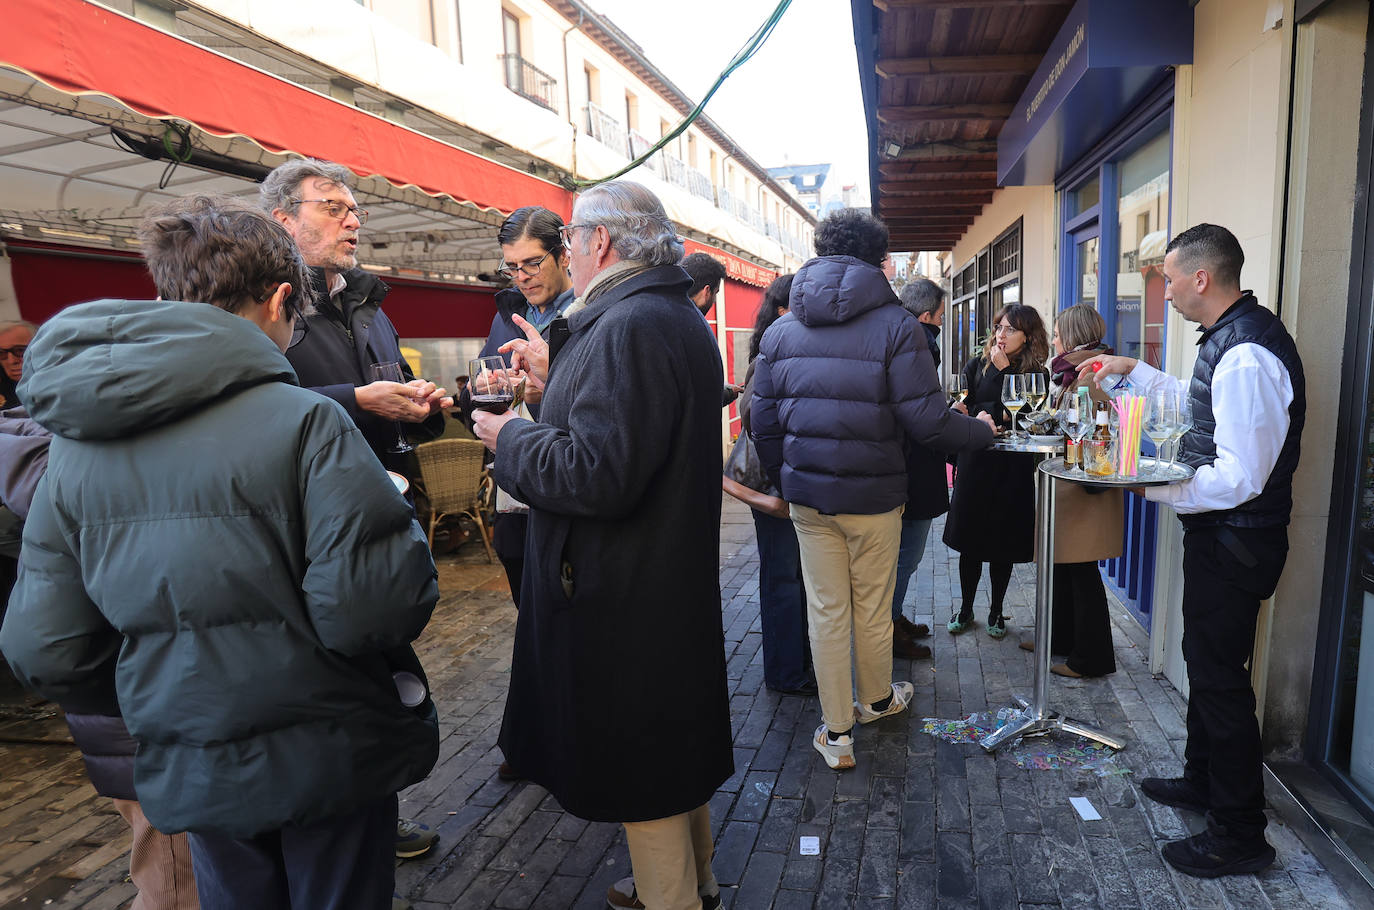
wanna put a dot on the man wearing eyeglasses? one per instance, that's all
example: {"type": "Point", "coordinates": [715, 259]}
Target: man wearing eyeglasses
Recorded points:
{"type": "Point", "coordinates": [14, 340]}
{"type": "Point", "coordinates": [332, 351]}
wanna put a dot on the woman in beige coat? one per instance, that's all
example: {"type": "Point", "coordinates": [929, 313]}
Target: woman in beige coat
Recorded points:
{"type": "Point", "coordinates": [1088, 520]}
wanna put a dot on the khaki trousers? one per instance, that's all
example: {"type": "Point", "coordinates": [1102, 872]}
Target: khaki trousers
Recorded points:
{"type": "Point", "coordinates": [159, 864]}
{"type": "Point", "coordinates": [849, 567]}
{"type": "Point", "coordinates": [671, 860]}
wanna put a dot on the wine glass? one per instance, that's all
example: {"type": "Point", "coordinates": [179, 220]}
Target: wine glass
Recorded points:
{"type": "Point", "coordinates": [390, 371]}
{"type": "Point", "coordinates": [1161, 415]}
{"type": "Point", "coordinates": [493, 389]}
{"type": "Point", "coordinates": [1182, 426]}
{"type": "Point", "coordinates": [1076, 419]}
{"type": "Point", "coordinates": [957, 388]}
{"type": "Point", "coordinates": [1014, 398]}
{"type": "Point", "coordinates": [1036, 391]}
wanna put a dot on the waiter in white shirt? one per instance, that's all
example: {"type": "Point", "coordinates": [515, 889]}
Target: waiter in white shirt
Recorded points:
{"type": "Point", "coordinates": [1248, 401]}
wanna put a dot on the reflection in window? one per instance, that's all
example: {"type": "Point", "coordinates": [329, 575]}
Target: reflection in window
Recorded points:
{"type": "Point", "coordinates": [1143, 222]}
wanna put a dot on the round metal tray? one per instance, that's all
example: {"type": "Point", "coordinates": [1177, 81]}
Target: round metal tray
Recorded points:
{"type": "Point", "coordinates": [1148, 477]}
{"type": "Point", "coordinates": [1007, 444]}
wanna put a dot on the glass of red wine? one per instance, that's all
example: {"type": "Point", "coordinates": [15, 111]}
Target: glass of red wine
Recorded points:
{"type": "Point", "coordinates": [390, 371]}
{"type": "Point", "coordinates": [493, 387]}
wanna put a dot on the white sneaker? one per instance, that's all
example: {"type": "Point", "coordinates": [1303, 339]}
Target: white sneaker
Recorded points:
{"type": "Point", "coordinates": [838, 755]}
{"type": "Point", "coordinates": [901, 697]}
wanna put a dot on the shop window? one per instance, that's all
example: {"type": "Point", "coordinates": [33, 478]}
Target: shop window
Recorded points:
{"type": "Point", "coordinates": [988, 282]}
{"type": "Point", "coordinates": [1142, 202]}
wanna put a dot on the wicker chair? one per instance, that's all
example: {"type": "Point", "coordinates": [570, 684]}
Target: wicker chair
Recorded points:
{"type": "Point", "coordinates": [455, 483]}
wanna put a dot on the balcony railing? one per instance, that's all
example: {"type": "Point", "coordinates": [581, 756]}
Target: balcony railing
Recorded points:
{"type": "Point", "coordinates": [528, 81]}
{"type": "Point", "coordinates": [605, 129]}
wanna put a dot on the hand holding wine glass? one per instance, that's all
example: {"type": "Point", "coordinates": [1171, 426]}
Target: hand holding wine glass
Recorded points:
{"type": "Point", "coordinates": [390, 371]}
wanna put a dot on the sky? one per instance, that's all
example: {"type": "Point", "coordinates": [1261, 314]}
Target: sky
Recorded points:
{"type": "Point", "coordinates": [797, 101]}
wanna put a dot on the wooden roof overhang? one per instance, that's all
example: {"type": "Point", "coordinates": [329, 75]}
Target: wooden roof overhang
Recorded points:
{"type": "Point", "coordinates": [939, 79]}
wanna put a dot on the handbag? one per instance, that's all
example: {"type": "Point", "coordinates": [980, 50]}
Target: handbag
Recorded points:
{"type": "Point", "coordinates": [742, 466]}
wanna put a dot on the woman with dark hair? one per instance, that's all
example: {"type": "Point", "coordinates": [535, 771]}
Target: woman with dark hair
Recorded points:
{"type": "Point", "coordinates": [992, 512]}
{"type": "Point", "coordinates": [782, 598]}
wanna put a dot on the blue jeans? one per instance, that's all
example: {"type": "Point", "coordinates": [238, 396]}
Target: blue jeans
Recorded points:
{"type": "Point", "coordinates": [782, 604]}
{"type": "Point", "coordinates": [913, 547]}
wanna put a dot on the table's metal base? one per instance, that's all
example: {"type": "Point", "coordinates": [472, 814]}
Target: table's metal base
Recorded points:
{"type": "Point", "coordinates": [1053, 722]}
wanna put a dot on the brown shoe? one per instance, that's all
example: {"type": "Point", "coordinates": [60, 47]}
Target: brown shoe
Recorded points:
{"type": "Point", "coordinates": [912, 629]}
{"type": "Point", "coordinates": [905, 648]}
{"type": "Point", "coordinates": [1065, 670]}
{"type": "Point", "coordinates": [1027, 645]}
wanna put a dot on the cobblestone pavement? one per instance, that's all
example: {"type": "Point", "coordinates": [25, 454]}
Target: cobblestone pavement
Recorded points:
{"type": "Point", "coordinates": [920, 823]}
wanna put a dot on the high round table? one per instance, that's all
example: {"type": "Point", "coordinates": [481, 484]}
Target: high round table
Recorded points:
{"type": "Point", "coordinates": [1036, 714]}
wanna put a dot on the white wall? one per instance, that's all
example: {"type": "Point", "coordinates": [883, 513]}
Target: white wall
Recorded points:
{"type": "Point", "coordinates": [1034, 204]}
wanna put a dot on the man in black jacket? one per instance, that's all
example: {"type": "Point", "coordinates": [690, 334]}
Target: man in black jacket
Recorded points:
{"type": "Point", "coordinates": [1248, 396]}
{"type": "Point", "coordinates": [927, 485]}
{"type": "Point", "coordinates": [332, 350]}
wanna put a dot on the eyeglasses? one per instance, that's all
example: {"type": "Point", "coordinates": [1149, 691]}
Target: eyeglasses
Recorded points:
{"type": "Point", "coordinates": [336, 209]}
{"type": "Point", "coordinates": [1005, 330]}
{"type": "Point", "coordinates": [16, 352]}
{"type": "Point", "coordinates": [528, 269]}
{"type": "Point", "coordinates": [300, 327]}
{"type": "Point", "coordinates": [566, 231]}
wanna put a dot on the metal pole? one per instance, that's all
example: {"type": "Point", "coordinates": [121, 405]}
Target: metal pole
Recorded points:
{"type": "Point", "coordinates": [1044, 596]}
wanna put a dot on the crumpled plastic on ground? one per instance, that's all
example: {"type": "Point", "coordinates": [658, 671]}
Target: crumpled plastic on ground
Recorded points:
{"type": "Point", "coordinates": [1050, 754]}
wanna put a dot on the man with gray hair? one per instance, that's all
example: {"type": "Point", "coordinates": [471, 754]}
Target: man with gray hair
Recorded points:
{"type": "Point", "coordinates": [618, 702]}
{"type": "Point", "coordinates": [927, 484]}
{"type": "Point", "coordinates": [332, 350]}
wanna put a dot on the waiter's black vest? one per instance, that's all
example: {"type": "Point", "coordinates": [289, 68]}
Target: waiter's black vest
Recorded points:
{"type": "Point", "coordinates": [1245, 322]}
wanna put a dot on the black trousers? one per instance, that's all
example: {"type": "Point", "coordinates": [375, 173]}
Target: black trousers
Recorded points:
{"type": "Point", "coordinates": [1082, 626]}
{"type": "Point", "coordinates": [1226, 573]}
{"type": "Point", "coordinates": [508, 540]}
{"type": "Point", "coordinates": [344, 863]}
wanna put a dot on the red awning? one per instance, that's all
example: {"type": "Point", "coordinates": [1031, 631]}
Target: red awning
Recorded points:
{"type": "Point", "coordinates": [736, 269]}
{"type": "Point", "coordinates": [78, 47]}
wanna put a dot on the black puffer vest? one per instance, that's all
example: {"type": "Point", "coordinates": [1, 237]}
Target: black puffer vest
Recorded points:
{"type": "Point", "coordinates": [1245, 322]}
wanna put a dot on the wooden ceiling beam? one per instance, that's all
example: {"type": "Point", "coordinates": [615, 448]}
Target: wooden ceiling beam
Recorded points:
{"type": "Point", "coordinates": [917, 211]}
{"type": "Point", "coordinates": [986, 181]}
{"type": "Point", "coordinates": [986, 65]}
{"type": "Point", "coordinates": [955, 168]}
{"type": "Point", "coordinates": [917, 197]}
{"type": "Point", "coordinates": [912, 113]}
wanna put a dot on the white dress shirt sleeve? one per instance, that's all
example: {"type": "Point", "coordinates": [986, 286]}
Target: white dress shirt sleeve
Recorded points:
{"type": "Point", "coordinates": [1251, 393]}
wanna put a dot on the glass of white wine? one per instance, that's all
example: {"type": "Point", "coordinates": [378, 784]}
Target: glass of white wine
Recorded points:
{"type": "Point", "coordinates": [957, 388]}
{"type": "Point", "coordinates": [1036, 390]}
{"type": "Point", "coordinates": [1014, 398]}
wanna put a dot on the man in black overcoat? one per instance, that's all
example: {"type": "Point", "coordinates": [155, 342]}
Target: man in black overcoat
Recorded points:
{"type": "Point", "coordinates": [618, 702]}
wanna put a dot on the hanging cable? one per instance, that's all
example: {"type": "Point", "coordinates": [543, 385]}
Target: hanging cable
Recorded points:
{"type": "Point", "coordinates": [750, 48]}
{"type": "Point", "coordinates": [178, 153]}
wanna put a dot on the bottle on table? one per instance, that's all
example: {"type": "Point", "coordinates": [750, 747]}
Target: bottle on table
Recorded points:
{"type": "Point", "coordinates": [1097, 448]}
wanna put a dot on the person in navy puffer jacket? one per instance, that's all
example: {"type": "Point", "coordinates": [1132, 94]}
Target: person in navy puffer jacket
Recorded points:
{"type": "Point", "coordinates": [840, 383]}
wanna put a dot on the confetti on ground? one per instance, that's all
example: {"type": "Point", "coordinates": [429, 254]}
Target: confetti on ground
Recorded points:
{"type": "Point", "coordinates": [1042, 755]}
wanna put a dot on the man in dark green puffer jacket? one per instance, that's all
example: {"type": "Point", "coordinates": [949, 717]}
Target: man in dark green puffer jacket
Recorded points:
{"type": "Point", "coordinates": [229, 543]}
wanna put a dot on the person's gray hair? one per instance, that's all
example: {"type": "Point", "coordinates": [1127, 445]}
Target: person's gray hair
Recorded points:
{"type": "Point", "coordinates": [921, 295]}
{"type": "Point", "coordinates": [639, 227]}
{"type": "Point", "coordinates": [10, 324]}
{"type": "Point", "coordinates": [281, 188]}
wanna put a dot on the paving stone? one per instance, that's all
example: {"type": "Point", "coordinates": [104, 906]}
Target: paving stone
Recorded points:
{"type": "Point", "coordinates": [920, 823]}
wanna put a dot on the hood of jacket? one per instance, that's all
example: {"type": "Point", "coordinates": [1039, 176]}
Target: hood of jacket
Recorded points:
{"type": "Point", "coordinates": [113, 368]}
{"type": "Point", "coordinates": [830, 290]}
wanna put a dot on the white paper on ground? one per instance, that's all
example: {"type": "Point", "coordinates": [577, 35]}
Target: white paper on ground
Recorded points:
{"type": "Point", "coordinates": [1085, 808]}
{"type": "Point", "coordinates": [810, 846]}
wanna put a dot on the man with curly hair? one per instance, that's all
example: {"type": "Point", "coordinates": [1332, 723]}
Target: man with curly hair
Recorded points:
{"type": "Point", "coordinates": [856, 374]}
